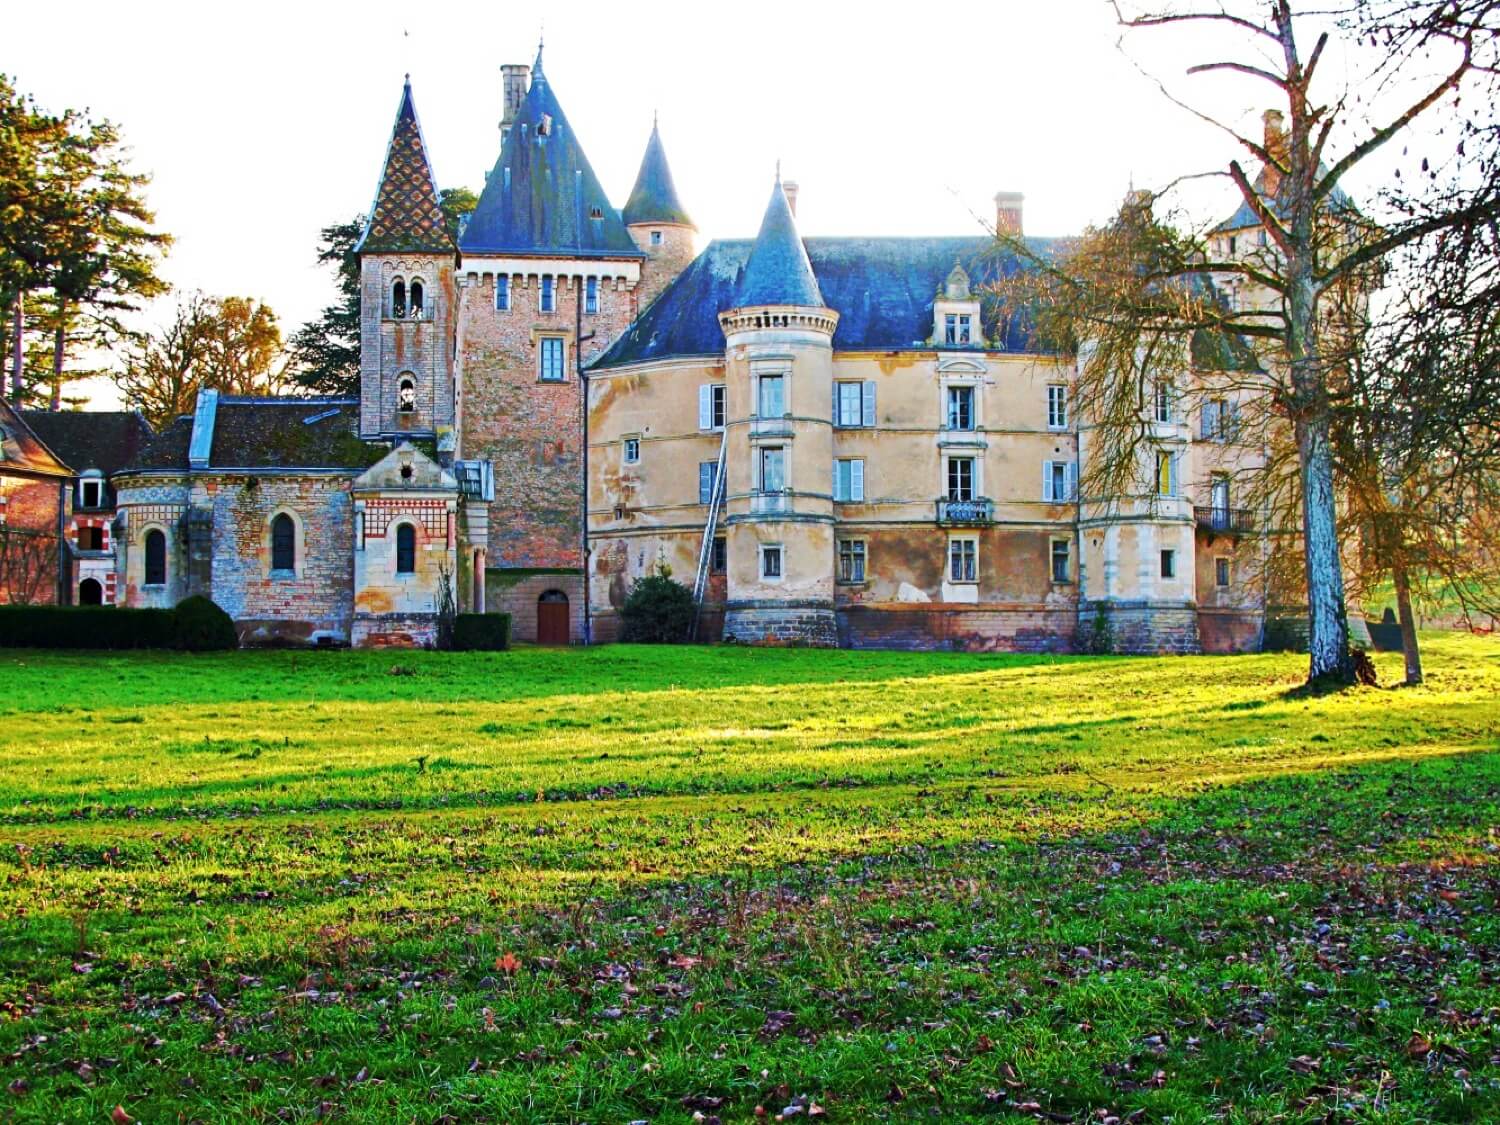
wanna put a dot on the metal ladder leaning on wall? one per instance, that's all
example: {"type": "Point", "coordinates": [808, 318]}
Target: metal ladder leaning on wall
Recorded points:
{"type": "Point", "coordinates": [706, 551]}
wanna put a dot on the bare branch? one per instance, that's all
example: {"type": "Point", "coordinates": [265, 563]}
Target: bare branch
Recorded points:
{"type": "Point", "coordinates": [1243, 68]}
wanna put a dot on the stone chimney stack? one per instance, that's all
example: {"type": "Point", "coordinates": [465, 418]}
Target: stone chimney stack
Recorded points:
{"type": "Point", "coordinates": [515, 79]}
{"type": "Point", "coordinates": [1008, 211]}
{"type": "Point", "coordinates": [789, 189]}
{"type": "Point", "coordinates": [1274, 142]}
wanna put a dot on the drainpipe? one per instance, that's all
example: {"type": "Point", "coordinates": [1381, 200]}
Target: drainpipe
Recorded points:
{"type": "Point", "coordinates": [583, 392]}
{"type": "Point", "coordinates": [64, 568]}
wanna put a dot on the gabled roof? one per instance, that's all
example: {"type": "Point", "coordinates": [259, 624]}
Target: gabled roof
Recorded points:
{"type": "Point", "coordinates": [542, 196]}
{"type": "Point", "coordinates": [426, 475]}
{"type": "Point", "coordinates": [268, 433]}
{"type": "Point", "coordinates": [106, 440]}
{"type": "Point", "coordinates": [654, 197]}
{"type": "Point", "coordinates": [406, 217]}
{"type": "Point", "coordinates": [882, 288]}
{"type": "Point", "coordinates": [22, 451]}
{"type": "Point", "coordinates": [778, 272]}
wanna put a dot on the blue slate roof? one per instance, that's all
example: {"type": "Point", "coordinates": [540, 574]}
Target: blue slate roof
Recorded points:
{"type": "Point", "coordinates": [654, 197]}
{"type": "Point", "coordinates": [778, 272]}
{"type": "Point", "coordinates": [1336, 202]}
{"type": "Point", "coordinates": [542, 196]}
{"type": "Point", "coordinates": [882, 288]}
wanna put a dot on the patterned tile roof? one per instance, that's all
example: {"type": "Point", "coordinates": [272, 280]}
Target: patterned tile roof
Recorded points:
{"type": "Point", "coordinates": [406, 217]}
{"type": "Point", "coordinates": [542, 197]}
{"type": "Point", "coordinates": [654, 197]}
{"type": "Point", "coordinates": [21, 450]}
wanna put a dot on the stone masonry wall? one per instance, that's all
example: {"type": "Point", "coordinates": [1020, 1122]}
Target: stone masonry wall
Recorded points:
{"type": "Point", "coordinates": [519, 599]}
{"type": "Point", "coordinates": [314, 602]}
{"type": "Point", "coordinates": [958, 628]}
{"type": "Point", "coordinates": [1147, 628]}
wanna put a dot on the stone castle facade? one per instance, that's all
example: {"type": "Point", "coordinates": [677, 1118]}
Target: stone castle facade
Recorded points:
{"type": "Point", "coordinates": [834, 441]}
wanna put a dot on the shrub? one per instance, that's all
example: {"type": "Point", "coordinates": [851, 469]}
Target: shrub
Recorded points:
{"type": "Point", "coordinates": [657, 611]}
{"type": "Point", "coordinates": [201, 626]}
{"type": "Point", "coordinates": [481, 632]}
{"type": "Point", "coordinates": [107, 627]}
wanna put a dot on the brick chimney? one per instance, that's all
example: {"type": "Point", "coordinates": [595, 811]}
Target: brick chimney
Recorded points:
{"type": "Point", "coordinates": [515, 79]}
{"type": "Point", "coordinates": [1274, 142]}
{"type": "Point", "coordinates": [1008, 213]}
{"type": "Point", "coordinates": [789, 189]}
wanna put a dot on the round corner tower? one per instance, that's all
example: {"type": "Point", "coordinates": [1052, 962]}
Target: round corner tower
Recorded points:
{"type": "Point", "coordinates": [658, 223]}
{"type": "Point", "coordinates": [779, 451]}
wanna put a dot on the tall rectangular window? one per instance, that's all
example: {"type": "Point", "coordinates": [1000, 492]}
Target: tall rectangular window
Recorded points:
{"type": "Point", "coordinates": [1166, 473]}
{"type": "Point", "coordinates": [854, 404]}
{"type": "Point", "coordinates": [1163, 403]}
{"type": "Point", "coordinates": [591, 295]}
{"type": "Point", "coordinates": [1169, 564]}
{"type": "Point", "coordinates": [90, 493]}
{"type": "Point", "coordinates": [718, 559]}
{"type": "Point", "coordinates": [960, 478]}
{"type": "Point", "coordinates": [963, 560]}
{"type": "Point", "coordinates": [711, 406]}
{"type": "Point", "coordinates": [707, 470]}
{"type": "Point", "coordinates": [632, 451]}
{"type": "Point", "coordinates": [549, 294]}
{"type": "Point", "coordinates": [1062, 561]}
{"type": "Point", "coordinates": [851, 560]}
{"type": "Point", "coordinates": [1057, 406]}
{"type": "Point", "coordinates": [960, 408]}
{"type": "Point", "coordinates": [849, 479]}
{"type": "Point", "coordinates": [1058, 481]}
{"type": "Point", "coordinates": [772, 468]}
{"type": "Point", "coordinates": [770, 560]}
{"type": "Point", "coordinates": [772, 402]}
{"type": "Point", "coordinates": [550, 358]}
{"type": "Point", "coordinates": [502, 292]}
{"type": "Point", "coordinates": [1221, 571]}
{"type": "Point", "coordinates": [956, 328]}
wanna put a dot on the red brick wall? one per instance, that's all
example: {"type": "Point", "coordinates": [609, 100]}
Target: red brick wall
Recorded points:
{"type": "Point", "coordinates": [30, 574]}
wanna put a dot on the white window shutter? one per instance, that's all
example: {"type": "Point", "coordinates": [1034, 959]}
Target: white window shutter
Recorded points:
{"type": "Point", "coordinates": [867, 402]}
{"type": "Point", "coordinates": [1047, 482]}
{"type": "Point", "coordinates": [857, 476]}
{"type": "Point", "coordinates": [705, 407]}
{"type": "Point", "coordinates": [1072, 478]}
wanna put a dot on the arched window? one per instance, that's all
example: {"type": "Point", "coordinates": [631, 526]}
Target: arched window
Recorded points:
{"type": "Point", "coordinates": [416, 299]}
{"type": "Point", "coordinates": [156, 557]}
{"type": "Point", "coordinates": [406, 549]}
{"type": "Point", "coordinates": [398, 298]}
{"type": "Point", "coordinates": [283, 543]}
{"type": "Point", "coordinates": [406, 395]}
{"type": "Point", "coordinates": [90, 592]}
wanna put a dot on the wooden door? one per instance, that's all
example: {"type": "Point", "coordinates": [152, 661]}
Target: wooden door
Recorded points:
{"type": "Point", "coordinates": [552, 618]}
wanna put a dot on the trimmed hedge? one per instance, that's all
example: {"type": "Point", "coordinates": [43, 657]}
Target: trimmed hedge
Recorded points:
{"type": "Point", "coordinates": [481, 632]}
{"type": "Point", "coordinates": [111, 627]}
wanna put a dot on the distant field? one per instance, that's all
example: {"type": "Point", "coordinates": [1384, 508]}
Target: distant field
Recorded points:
{"type": "Point", "coordinates": [642, 884]}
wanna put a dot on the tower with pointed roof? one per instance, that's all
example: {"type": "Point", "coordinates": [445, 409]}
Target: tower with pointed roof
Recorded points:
{"type": "Point", "coordinates": [407, 296]}
{"type": "Point", "coordinates": [779, 520]}
{"type": "Point", "coordinates": [658, 221]}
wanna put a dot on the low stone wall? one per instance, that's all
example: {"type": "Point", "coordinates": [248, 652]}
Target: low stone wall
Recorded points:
{"type": "Point", "coordinates": [923, 627]}
{"type": "Point", "coordinates": [285, 632]}
{"type": "Point", "coordinates": [788, 624]}
{"type": "Point", "coordinates": [395, 630]}
{"type": "Point", "coordinates": [1141, 628]}
{"type": "Point", "coordinates": [1223, 631]}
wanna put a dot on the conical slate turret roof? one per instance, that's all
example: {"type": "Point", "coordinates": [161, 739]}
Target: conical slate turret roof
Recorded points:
{"type": "Point", "coordinates": [778, 272]}
{"type": "Point", "coordinates": [406, 217]}
{"type": "Point", "coordinates": [542, 196]}
{"type": "Point", "coordinates": [654, 197]}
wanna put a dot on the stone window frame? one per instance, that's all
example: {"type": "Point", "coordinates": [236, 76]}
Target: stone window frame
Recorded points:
{"type": "Point", "coordinates": [166, 557]}
{"type": "Point", "coordinates": [541, 344]}
{"type": "Point", "coordinates": [1066, 554]}
{"type": "Point", "coordinates": [406, 377]}
{"type": "Point", "coordinates": [976, 480]}
{"type": "Point", "coordinates": [1223, 568]}
{"type": "Point", "coordinates": [950, 384]}
{"type": "Point", "coordinates": [630, 449]}
{"type": "Point", "coordinates": [415, 311]}
{"type": "Point", "coordinates": [418, 538]}
{"type": "Point", "coordinates": [657, 238]}
{"type": "Point", "coordinates": [718, 555]}
{"type": "Point", "coordinates": [591, 289]}
{"type": "Point", "coordinates": [546, 294]}
{"type": "Point", "coordinates": [1059, 407]}
{"type": "Point", "coordinates": [502, 292]}
{"type": "Point", "coordinates": [780, 552]}
{"type": "Point", "coordinates": [760, 468]}
{"type": "Point", "coordinates": [781, 375]}
{"type": "Point", "coordinates": [87, 478]}
{"type": "Point", "coordinates": [953, 541]}
{"type": "Point", "coordinates": [858, 546]}
{"type": "Point", "coordinates": [299, 551]}
{"type": "Point", "coordinates": [1169, 564]}
{"type": "Point", "coordinates": [393, 310]}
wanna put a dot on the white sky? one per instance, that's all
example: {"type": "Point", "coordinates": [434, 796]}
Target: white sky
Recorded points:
{"type": "Point", "coordinates": [260, 124]}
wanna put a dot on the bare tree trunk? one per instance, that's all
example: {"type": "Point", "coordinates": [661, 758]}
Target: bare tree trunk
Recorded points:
{"type": "Point", "coordinates": [1327, 615]}
{"type": "Point", "coordinates": [57, 356]}
{"type": "Point", "coordinates": [1408, 620]}
{"type": "Point", "coordinates": [18, 326]}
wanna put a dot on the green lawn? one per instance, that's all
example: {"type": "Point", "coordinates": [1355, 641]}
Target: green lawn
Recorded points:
{"type": "Point", "coordinates": [647, 884]}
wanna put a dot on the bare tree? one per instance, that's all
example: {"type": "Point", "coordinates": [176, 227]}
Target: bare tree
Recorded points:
{"type": "Point", "coordinates": [1418, 59]}
{"type": "Point", "coordinates": [28, 564]}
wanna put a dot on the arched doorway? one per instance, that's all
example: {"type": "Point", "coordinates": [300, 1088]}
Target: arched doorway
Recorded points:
{"type": "Point", "coordinates": [90, 592]}
{"type": "Point", "coordinates": [552, 618]}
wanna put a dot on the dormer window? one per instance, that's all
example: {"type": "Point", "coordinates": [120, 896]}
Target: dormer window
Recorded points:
{"type": "Point", "coordinates": [956, 328]}
{"type": "Point", "coordinates": [398, 298]}
{"type": "Point", "coordinates": [416, 310]}
{"type": "Point", "coordinates": [656, 238]}
{"type": "Point", "coordinates": [406, 396]}
{"type": "Point", "coordinates": [596, 212]}
{"type": "Point", "coordinates": [91, 494]}
{"type": "Point", "coordinates": [544, 126]}
{"type": "Point", "coordinates": [549, 295]}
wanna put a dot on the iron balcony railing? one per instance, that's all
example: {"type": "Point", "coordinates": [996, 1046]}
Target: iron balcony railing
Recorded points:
{"type": "Point", "coordinates": [977, 510]}
{"type": "Point", "coordinates": [1231, 521]}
